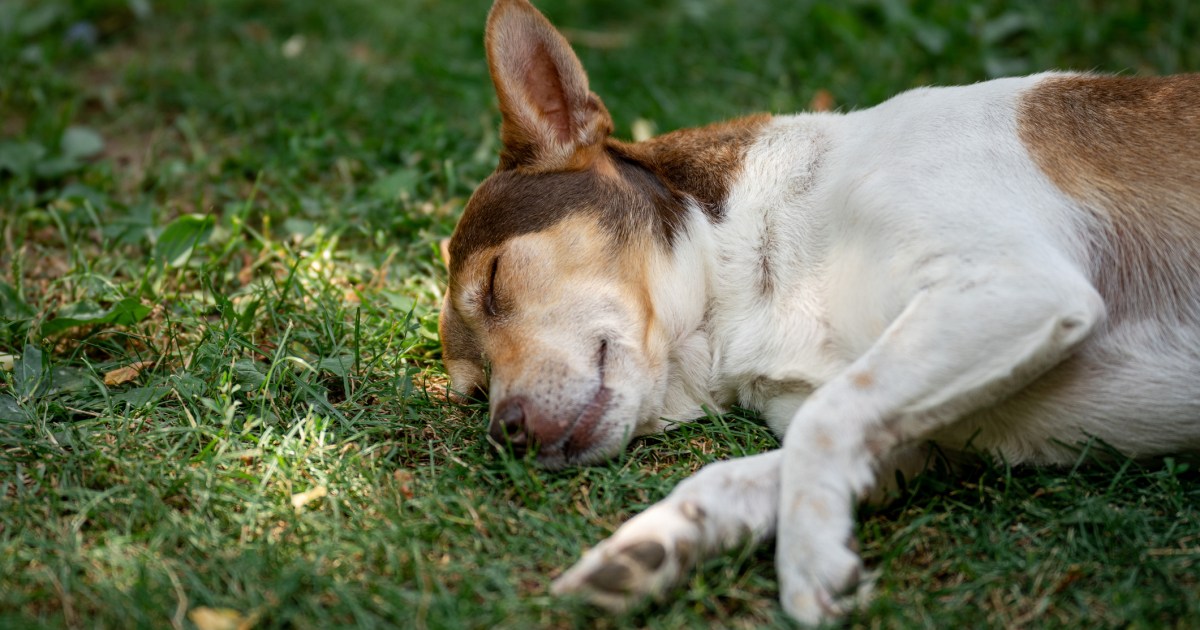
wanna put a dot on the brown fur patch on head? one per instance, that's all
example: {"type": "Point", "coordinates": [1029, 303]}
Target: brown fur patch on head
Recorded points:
{"type": "Point", "coordinates": [1128, 150]}
{"type": "Point", "coordinates": [626, 198]}
{"type": "Point", "coordinates": [632, 188]}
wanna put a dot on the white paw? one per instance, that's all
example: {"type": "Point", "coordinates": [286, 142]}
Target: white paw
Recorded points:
{"type": "Point", "coordinates": [828, 586]}
{"type": "Point", "coordinates": [645, 557]}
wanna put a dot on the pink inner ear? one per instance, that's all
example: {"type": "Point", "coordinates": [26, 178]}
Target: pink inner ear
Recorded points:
{"type": "Point", "coordinates": [544, 86]}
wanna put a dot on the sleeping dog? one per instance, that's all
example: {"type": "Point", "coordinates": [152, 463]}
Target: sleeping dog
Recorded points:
{"type": "Point", "coordinates": [1014, 264]}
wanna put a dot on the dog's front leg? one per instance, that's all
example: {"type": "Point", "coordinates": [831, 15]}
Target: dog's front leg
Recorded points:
{"type": "Point", "coordinates": [726, 504]}
{"type": "Point", "coordinates": [954, 348]}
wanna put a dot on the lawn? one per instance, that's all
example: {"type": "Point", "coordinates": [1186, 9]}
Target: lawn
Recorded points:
{"type": "Point", "coordinates": [221, 399]}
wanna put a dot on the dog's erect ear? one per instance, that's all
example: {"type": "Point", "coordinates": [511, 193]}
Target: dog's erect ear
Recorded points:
{"type": "Point", "coordinates": [444, 247]}
{"type": "Point", "coordinates": [550, 117]}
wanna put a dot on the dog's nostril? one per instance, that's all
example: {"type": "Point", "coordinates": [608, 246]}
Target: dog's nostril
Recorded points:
{"type": "Point", "coordinates": [508, 424]}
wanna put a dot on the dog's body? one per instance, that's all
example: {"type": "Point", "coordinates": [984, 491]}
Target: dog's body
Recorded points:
{"type": "Point", "coordinates": [1012, 266]}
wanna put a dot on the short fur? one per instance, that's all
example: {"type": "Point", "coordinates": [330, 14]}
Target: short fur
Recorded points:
{"type": "Point", "coordinates": [1010, 266]}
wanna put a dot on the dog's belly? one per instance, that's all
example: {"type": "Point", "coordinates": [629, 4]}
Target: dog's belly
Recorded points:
{"type": "Point", "coordinates": [1136, 388]}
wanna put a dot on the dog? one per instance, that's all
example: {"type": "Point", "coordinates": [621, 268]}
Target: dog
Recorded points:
{"type": "Point", "coordinates": [1011, 266]}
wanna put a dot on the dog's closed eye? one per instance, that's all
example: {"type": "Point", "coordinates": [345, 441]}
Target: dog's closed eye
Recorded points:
{"type": "Point", "coordinates": [489, 290]}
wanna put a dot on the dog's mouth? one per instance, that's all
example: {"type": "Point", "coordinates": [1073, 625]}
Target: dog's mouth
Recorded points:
{"type": "Point", "coordinates": [580, 437]}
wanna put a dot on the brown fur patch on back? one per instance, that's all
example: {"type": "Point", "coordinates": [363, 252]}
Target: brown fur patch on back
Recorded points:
{"type": "Point", "coordinates": [702, 162]}
{"type": "Point", "coordinates": [1128, 150]}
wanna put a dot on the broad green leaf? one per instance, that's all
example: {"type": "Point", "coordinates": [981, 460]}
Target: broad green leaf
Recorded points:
{"type": "Point", "coordinates": [397, 185]}
{"type": "Point", "coordinates": [11, 411]}
{"type": "Point", "coordinates": [19, 158]}
{"type": "Point", "coordinates": [29, 372]}
{"type": "Point", "coordinates": [12, 306]}
{"type": "Point", "coordinates": [75, 190]}
{"type": "Point", "coordinates": [138, 397]}
{"type": "Point", "coordinates": [339, 365]}
{"type": "Point", "coordinates": [248, 373]}
{"type": "Point", "coordinates": [134, 225]}
{"type": "Point", "coordinates": [299, 227]}
{"type": "Point", "coordinates": [65, 379]}
{"type": "Point", "coordinates": [38, 19]}
{"type": "Point", "coordinates": [176, 243]}
{"type": "Point", "coordinates": [56, 167]}
{"type": "Point", "coordinates": [127, 312]}
{"type": "Point", "coordinates": [187, 386]}
{"type": "Point", "coordinates": [81, 143]}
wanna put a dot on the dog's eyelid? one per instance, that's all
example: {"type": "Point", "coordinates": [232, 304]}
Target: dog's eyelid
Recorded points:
{"type": "Point", "coordinates": [489, 291]}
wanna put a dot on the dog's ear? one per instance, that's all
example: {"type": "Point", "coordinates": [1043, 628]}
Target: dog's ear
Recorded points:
{"type": "Point", "coordinates": [551, 119]}
{"type": "Point", "coordinates": [444, 247]}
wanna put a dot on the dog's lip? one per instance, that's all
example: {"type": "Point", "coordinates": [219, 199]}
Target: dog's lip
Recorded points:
{"type": "Point", "coordinates": [568, 448]}
{"type": "Point", "coordinates": [585, 424]}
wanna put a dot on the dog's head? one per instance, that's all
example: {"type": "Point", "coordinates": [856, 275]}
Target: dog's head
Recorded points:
{"type": "Point", "coordinates": [550, 305]}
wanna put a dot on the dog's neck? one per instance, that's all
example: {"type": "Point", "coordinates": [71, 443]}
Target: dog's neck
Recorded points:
{"type": "Point", "coordinates": [699, 163]}
{"type": "Point", "coordinates": [681, 289]}
{"type": "Point", "coordinates": [731, 274]}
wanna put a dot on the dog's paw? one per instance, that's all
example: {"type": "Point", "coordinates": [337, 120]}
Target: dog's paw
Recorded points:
{"type": "Point", "coordinates": [832, 584]}
{"type": "Point", "coordinates": [645, 557]}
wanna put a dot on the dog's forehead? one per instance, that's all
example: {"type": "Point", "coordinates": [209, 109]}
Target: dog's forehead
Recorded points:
{"type": "Point", "coordinates": [624, 201]}
{"type": "Point", "coordinates": [510, 203]}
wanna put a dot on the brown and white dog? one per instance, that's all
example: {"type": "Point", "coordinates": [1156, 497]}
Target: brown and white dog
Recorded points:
{"type": "Point", "coordinates": [1014, 264]}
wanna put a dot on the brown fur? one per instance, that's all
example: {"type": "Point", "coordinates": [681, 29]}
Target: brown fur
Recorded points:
{"type": "Point", "coordinates": [461, 352]}
{"type": "Point", "coordinates": [702, 162]}
{"type": "Point", "coordinates": [630, 200]}
{"type": "Point", "coordinates": [1128, 150]}
{"type": "Point", "coordinates": [632, 188]}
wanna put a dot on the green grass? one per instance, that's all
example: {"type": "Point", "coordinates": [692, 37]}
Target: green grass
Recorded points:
{"type": "Point", "coordinates": [243, 200]}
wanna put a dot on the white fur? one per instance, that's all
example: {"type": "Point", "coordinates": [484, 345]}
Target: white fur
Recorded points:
{"type": "Point", "coordinates": [882, 278]}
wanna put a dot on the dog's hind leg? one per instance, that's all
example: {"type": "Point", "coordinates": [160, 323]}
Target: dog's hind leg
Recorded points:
{"type": "Point", "coordinates": [725, 505]}
{"type": "Point", "coordinates": [954, 348]}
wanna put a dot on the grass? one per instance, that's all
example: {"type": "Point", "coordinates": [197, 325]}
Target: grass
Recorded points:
{"type": "Point", "coordinates": [218, 352]}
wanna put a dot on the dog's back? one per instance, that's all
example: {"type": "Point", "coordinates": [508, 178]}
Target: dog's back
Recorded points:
{"type": "Point", "coordinates": [841, 219]}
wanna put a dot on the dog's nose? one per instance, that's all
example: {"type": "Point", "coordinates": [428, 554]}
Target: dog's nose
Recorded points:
{"type": "Point", "coordinates": [508, 424]}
